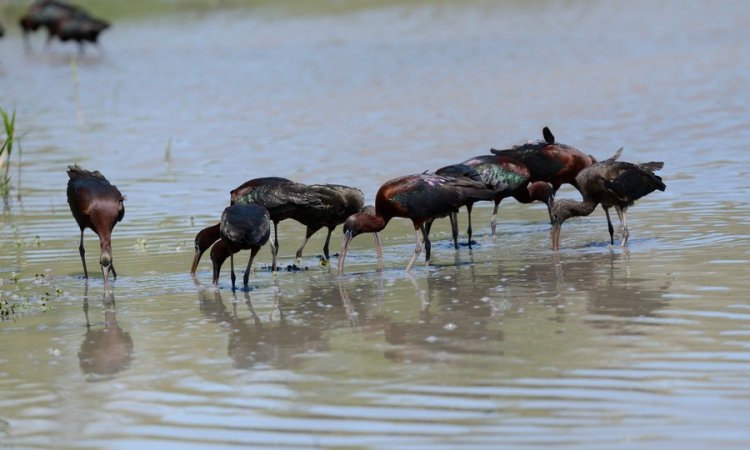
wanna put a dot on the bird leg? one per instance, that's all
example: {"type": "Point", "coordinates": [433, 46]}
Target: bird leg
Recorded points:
{"type": "Point", "coordinates": [610, 227]}
{"type": "Point", "coordinates": [82, 251]}
{"type": "Point", "coordinates": [427, 243]}
{"type": "Point", "coordinates": [624, 225]}
{"type": "Point", "coordinates": [380, 250]}
{"type": "Point", "coordinates": [493, 224]}
{"type": "Point", "coordinates": [273, 257]}
{"type": "Point", "coordinates": [246, 277]}
{"type": "Point", "coordinates": [453, 217]}
{"type": "Point", "coordinates": [231, 262]}
{"type": "Point", "coordinates": [325, 246]}
{"type": "Point", "coordinates": [469, 206]}
{"type": "Point", "coordinates": [417, 251]}
{"type": "Point", "coordinates": [275, 245]}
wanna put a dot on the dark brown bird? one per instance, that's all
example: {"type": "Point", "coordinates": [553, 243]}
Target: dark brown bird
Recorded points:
{"type": "Point", "coordinates": [507, 177]}
{"type": "Point", "coordinates": [80, 29]}
{"type": "Point", "coordinates": [335, 204]}
{"type": "Point", "coordinates": [612, 184]}
{"type": "Point", "coordinates": [242, 227]}
{"type": "Point", "coordinates": [257, 190]}
{"type": "Point", "coordinates": [421, 198]}
{"type": "Point", "coordinates": [550, 161]}
{"type": "Point", "coordinates": [48, 14]}
{"type": "Point", "coordinates": [95, 204]}
{"type": "Point", "coordinates": [284, 199]}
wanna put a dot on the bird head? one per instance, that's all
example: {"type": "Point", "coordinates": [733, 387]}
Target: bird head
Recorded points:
{"type": "Point", "coordinates": [356, 224]}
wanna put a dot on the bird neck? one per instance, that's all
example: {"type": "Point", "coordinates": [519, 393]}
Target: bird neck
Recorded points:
{"type": "Point", "coordinates": [372, 223]}
{"type": "Point", "coordinates": [575, 208]}
{"type": "Point", "coordinates": [219, 253]}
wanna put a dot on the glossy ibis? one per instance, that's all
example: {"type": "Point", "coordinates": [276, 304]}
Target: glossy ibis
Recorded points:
{"type": "Point", "coordinates": [421, 198]}
{"type": "Point", "coordinates": [610, 183]}
{"type": "Point", "coordinates": [242, 227]}
{"type": "Point", "coordinates": [257, 190]}
{"type": "Point", "coordinates": [550, 161]}
{"type": "Point", "coordinates": [203, 241]}
{"type": "Point", "coordinates": [335, 204]}
{"type": "Point", "coordinates": [281, 197]}
{"type": "Point", "coordinates": [507, 177]}
{"type": "Point", "coordinates": [47, 14]}
{"type": "Point", "coordinates": [95, 204]}
{"type": "Point", "coordinates": [79, 29]}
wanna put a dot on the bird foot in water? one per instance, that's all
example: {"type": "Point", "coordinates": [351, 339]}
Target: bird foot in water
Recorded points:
{"type": "Point", "coordinates": [468, 244]}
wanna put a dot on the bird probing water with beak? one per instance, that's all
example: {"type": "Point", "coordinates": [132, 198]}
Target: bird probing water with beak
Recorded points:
{"type": "Point", "coordinates": [95, 204]}
{"type": "Point", "coordinates": [421, 198]}
{"type": "Point", "coordinates": [610, 183]}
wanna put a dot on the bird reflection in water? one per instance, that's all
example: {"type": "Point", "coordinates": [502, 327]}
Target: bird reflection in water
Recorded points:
{"type": "Point", "coordinates": [447, 328]}
{"type": "Point", "coordinates": [106, 351]}
{"type": "Point", "coordinates": [613, 294]}
{"type": "Point", "coordinates": [255, 343]}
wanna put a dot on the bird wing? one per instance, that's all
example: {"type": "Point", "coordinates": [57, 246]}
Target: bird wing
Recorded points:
{"type": "Point", "coordinates": [629, 182]}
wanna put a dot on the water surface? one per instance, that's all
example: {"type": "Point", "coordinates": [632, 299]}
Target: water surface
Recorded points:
{"type": "Point", "coordinates": [504, 345]}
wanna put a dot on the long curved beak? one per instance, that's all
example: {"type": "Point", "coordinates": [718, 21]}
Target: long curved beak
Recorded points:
{"type": "Point", "coordinates": [380, 250]}
{"type": "Point", "coordinates": [342, 253]}
{"type": "Point", "coordinates": [196, 260]}
{"type": "Point", "coordinates": [105, 274]}
{"type": "Point", "coordinates": [556, 226]}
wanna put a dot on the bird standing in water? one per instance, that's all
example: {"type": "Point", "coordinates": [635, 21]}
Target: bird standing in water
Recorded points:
{"type": "Point", "coordinates": [257, 190]}
{"type": "Point", "coordinates": [550, 161]}
{"type": "Point", "coordinates": [336, 203]}
{"type": "Point", "coordinates": [507, 177]}
{"type": "Point", "coordinates": [242, 227]}
{"type": "Point", "coordinates": [421, 198]}
{"type": "Point", "coordinates": [610, 183]}
{"type": "Point", "coordinates": [95, 204]}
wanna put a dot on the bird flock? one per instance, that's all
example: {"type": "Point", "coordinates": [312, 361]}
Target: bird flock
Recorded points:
{"type": "Point", "coordinates": [529, 172]}
{"type": "Point", "coordinates": [63, 21]}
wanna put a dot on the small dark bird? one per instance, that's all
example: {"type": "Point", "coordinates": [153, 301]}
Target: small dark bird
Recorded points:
{"type": "Point", "coordinates": [254, 191]}
{"type": "Point", "coordinates": [47, 14]}
{"type": "Point", "coordinates": [507, 177]}
{"type": "Point", "coordinates": [421, 198]}
{"type": "Point", "coordinates": [203, 241]}
{"type": "Point", "coordinates": [242, 227]}
{"type": "Point", "coordinates": [62, 20]}
{"type": "Point", "coordinates": [336, 204]}
{"type": "Point", "coordinates": [609, 183]}
{"type": "Point", "coordinates": [79, 29]}
{"type": "Point", "coordinates": [2, 30]}
{"type": "Point", "coordinates": [284, 199]}
{"type": "Point", "coordinates": [95, 204]}
{"type": "Point", "coordinates": [549, 161]}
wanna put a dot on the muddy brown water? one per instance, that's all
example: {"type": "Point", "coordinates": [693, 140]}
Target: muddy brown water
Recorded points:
{"type": "Point", "coordinates": [507, 345]}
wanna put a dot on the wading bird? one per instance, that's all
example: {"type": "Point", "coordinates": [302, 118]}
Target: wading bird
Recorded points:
{"type": "Point", "coordinates": [550, 161]}
{"type": "Point", "coordinates": [242, 227]}
{"type": "Point", "coordinates": [421, 198]}
{"type": "Point", "coordinates": [258, 190]}
{"type": "Point", "coordinates": [336, 204]}
{"type": "Point", "coordinates": [80, 29]}
{"type": "Point", "coordinates": [95, 204]}
{"type": "Point", "coordinates": [61, 19]}
{"type": "Point", "coordinates": [612, 184]}
{"type": "Point", "coordinates": [507, 177]}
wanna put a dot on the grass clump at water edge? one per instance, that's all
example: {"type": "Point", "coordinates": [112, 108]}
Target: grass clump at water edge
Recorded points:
{"type": "Point", "coordinates": [9, 129]}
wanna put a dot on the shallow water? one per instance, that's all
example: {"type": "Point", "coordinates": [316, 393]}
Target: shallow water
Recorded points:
{"type": "Point", "coordinates": [505, 345]}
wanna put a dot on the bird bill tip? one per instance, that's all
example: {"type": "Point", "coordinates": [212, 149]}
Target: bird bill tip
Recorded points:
{"type": "Point", "coordinates": [344, 248]}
